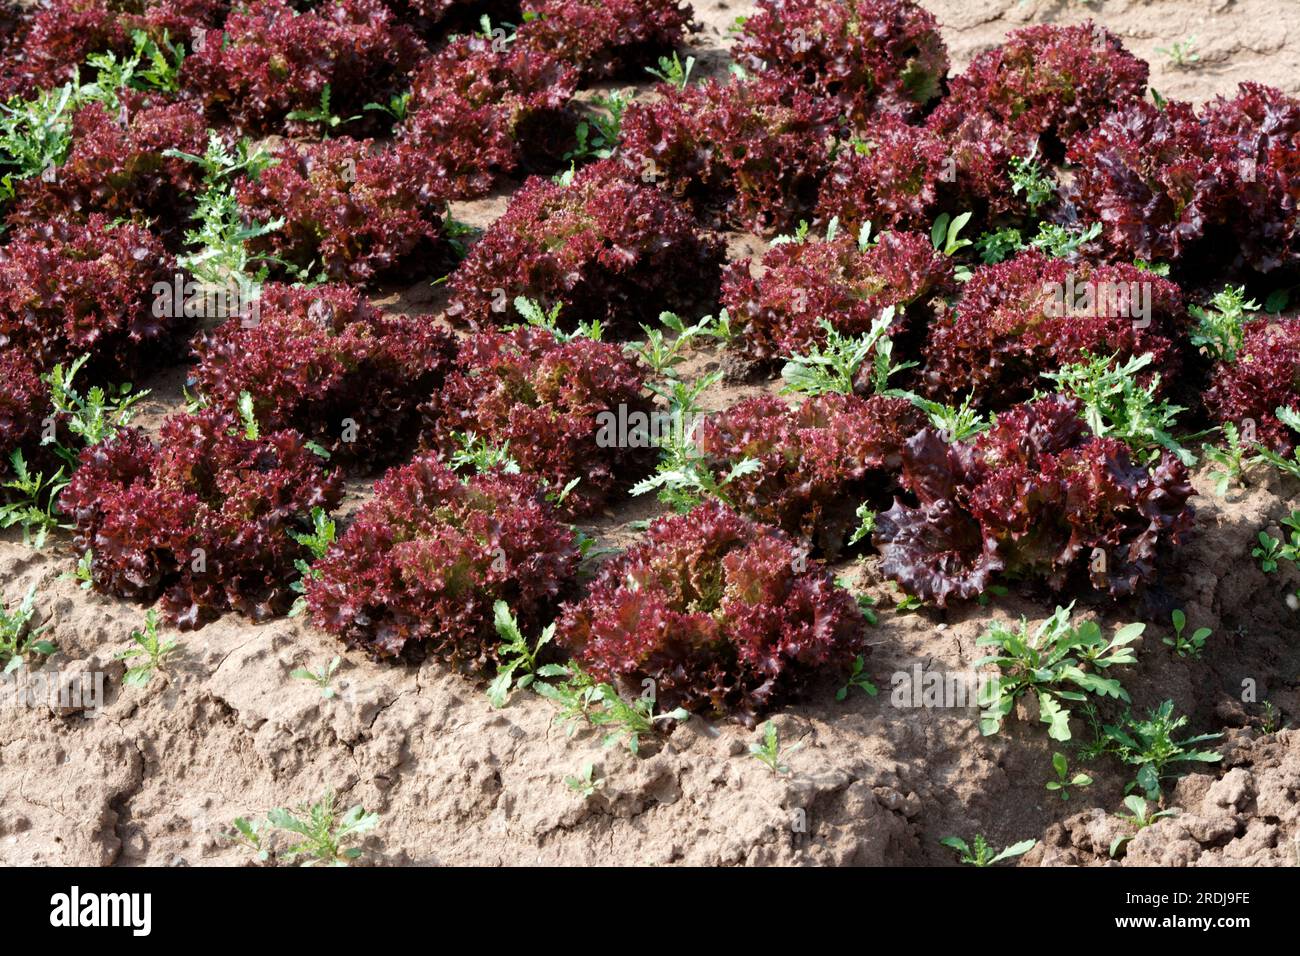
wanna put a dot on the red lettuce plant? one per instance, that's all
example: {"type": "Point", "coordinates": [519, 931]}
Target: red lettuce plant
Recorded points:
{"type": "Point", "coordinates": [116, 166]}
{"type": "Point", "coordinates": [1264, 376]}
{"type": "Point", "coordinates": [24, 403]}
{"type": "Point", "coordinates": [556, 406]}
{"type": "Point", "coordinates": [725, 615]}
{"type": "Point", "coordinates": [48, 49]}
{"type": "Point", "coordinates": [1035, 497]}
{"type": "Point", "coordinates": [604, 38]}
{"type": "Point", "coordinates": [1052, 81]}
{"type": "Point", "coordinates": [204, 518]}
{"type": "Point", "coordinates": [603, 248]}
{"type": "Point", "coordinates": [1033, 314]}
{"type": "Point", "coordinates": [806, 283]}
{"type": "Point", "coordinates": [894, 179]}
{"type": "Point", "coordinates": [422, 564]}
{"type": "Point", "coordinates": [817, 461]}
{"type": "Point", "coordinates": [182, 21]}
{"type": "Point", "coordinates": [981, 149]}
{"type": "Point", "coordinates": [270, 61]}
{"type": "Point", "coordinates": [351, 212]}
{"type": "Point", "coordinates": [750, 152]}
{"type": "Point", "coordinates": [326, 363]}
{"type": "Point", "coordinates": [439, 16]}
{"type": "Point", "coordinates": [874, 56]}
{"type": "Point", "coordinates": [478, 110]}
{"type": "Point", "coordinates": [1257, 133]}
{"type": "Point", "coordinates": [1152, 179]}
{"type": "Point", "coordinates": [69, 288]}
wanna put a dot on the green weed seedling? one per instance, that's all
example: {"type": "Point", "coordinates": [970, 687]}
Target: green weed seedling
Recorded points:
{"type": "Point", "coordinates": [866, 603]}
{"type": "Point", "coordinates": [318, 542]}
{"type": "Point", "coordinates": [1062, 242]}
{"type": "Point", "coordinates": [17, 636]}
{"type": "Point", "coordinates": [324, 834]}
{"type": "Point", "coordinates": [857, 678]}
{"type": "Point", "coordinates": [93, 418]}
{"type": "Point", "coordinates": [1270, 550]}
{"type": "Point", "coordinates": [982, 854]}
{"type": "Point", "coordinates": [833, 367]}
{"type": "Point", "coordinates": [1140, 816]}
{"type": "Point", "coordinates": [1287, 466]}
{"type": "Point", "coordinates": [866, 524]}
{"type": "Point", "coordinates": [1219, 331]}
{"type": "Point", "coordinates": [1150, 746]}
{"type": "Point", "coordinates": [155, 650]}
{"type": "Point", "coordinates": [217, 242]}
{"type": "Point", "coordinates": [627, 722]}
{"type": "Point", "coordinates": [322, 677]}
{"type": "Point", "coordinates": [800, 235]}
{"type": "Point", "coordinates": [31, 505]}
{"type": "Point", "coordinates": [597, 134]}
{"type": "Point", "coordinates": [35, 134]}
{"type": "Point", "coordinates": [1117, 406]}
{"type": "Point", "coordinates": [249, 833]}
{"type": "Point", "coordinates": [662, 354]}
{"type": "Point", "coordinates": [397, 107]}
{"type": "Point", "coordinates": [582, 699]}
{"type": "Point", "coordinates": [1064, 781]}
{"type": "Point", "coordinates": [1187, 645]}
{"type": "Point", "coordinates": [908, 602]}
{"type": "Point", "coordinates": [1271, 722]}
{"type": "Point", "coordinates": [1230, 460]}
{"type": "Point", "coordinates": [537, 317]}
{"type": "Point", "coordinates": [992, 591]}
{"type": "Point", "coordinates": [585, 782]}
{"type": "Point", "coordinates": [956, 423]}
{"type": "Point", "coordinates": [322, 114]}
{"type": "Point", "coordinates": [684, 476]}
{"type": "Point", "coordinates": [768, 750]}
{"type": "Point", "coordinates": [945, 234]}
{"type": "Point", "coordinates": [673, 71]}
{"type": "Point", "coordinates": [1161, 269]}
{"type": "Point", "coordinates": [1059, 663]}
{"type": "Point", "coordinates": [518, 668]}
{"type": "Point", "coordinates": [999, 245]}
{"type": "Point", "coordinates": [1030, 179]}
{"type": "Point", "coordinates": [479, 456]}
{"type": "Point", "coordinates": [1181, 54]}
{"type": "Point", "coordinates": [84, 574]}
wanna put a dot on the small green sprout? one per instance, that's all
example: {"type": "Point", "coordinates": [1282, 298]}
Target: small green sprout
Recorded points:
{"type": "Point", "coordinates": [982, 855]}
{"type": "Point", "coordinates": [857, 678]}
{"type": "Point", "coordinates": [1064, 781]}
{"type": "Point", "coordinates": [1181, 54]}
{"type": "Point", "coordinates": [324, 833]}
{"type": "Point", "coordinates": [768, 751]}
{"type": "Point", "coordinates": [585, 782]}
{"type": "Point", "coordinates": [516, 656]}
{"type": "Point", "coordinates": [1140, 816]}
{"type": "Point", "coordinates": [17, 636]}
{"type": "Point", "coordinates": [321, 677]}
{"type": "Point", "coordinates": [1187, 645]}
{"type": "Point", "coordinates": [155, 651]}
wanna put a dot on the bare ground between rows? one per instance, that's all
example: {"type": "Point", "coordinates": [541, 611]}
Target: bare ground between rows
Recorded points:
{"type": "Point", "coordinates": [157, 777]}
